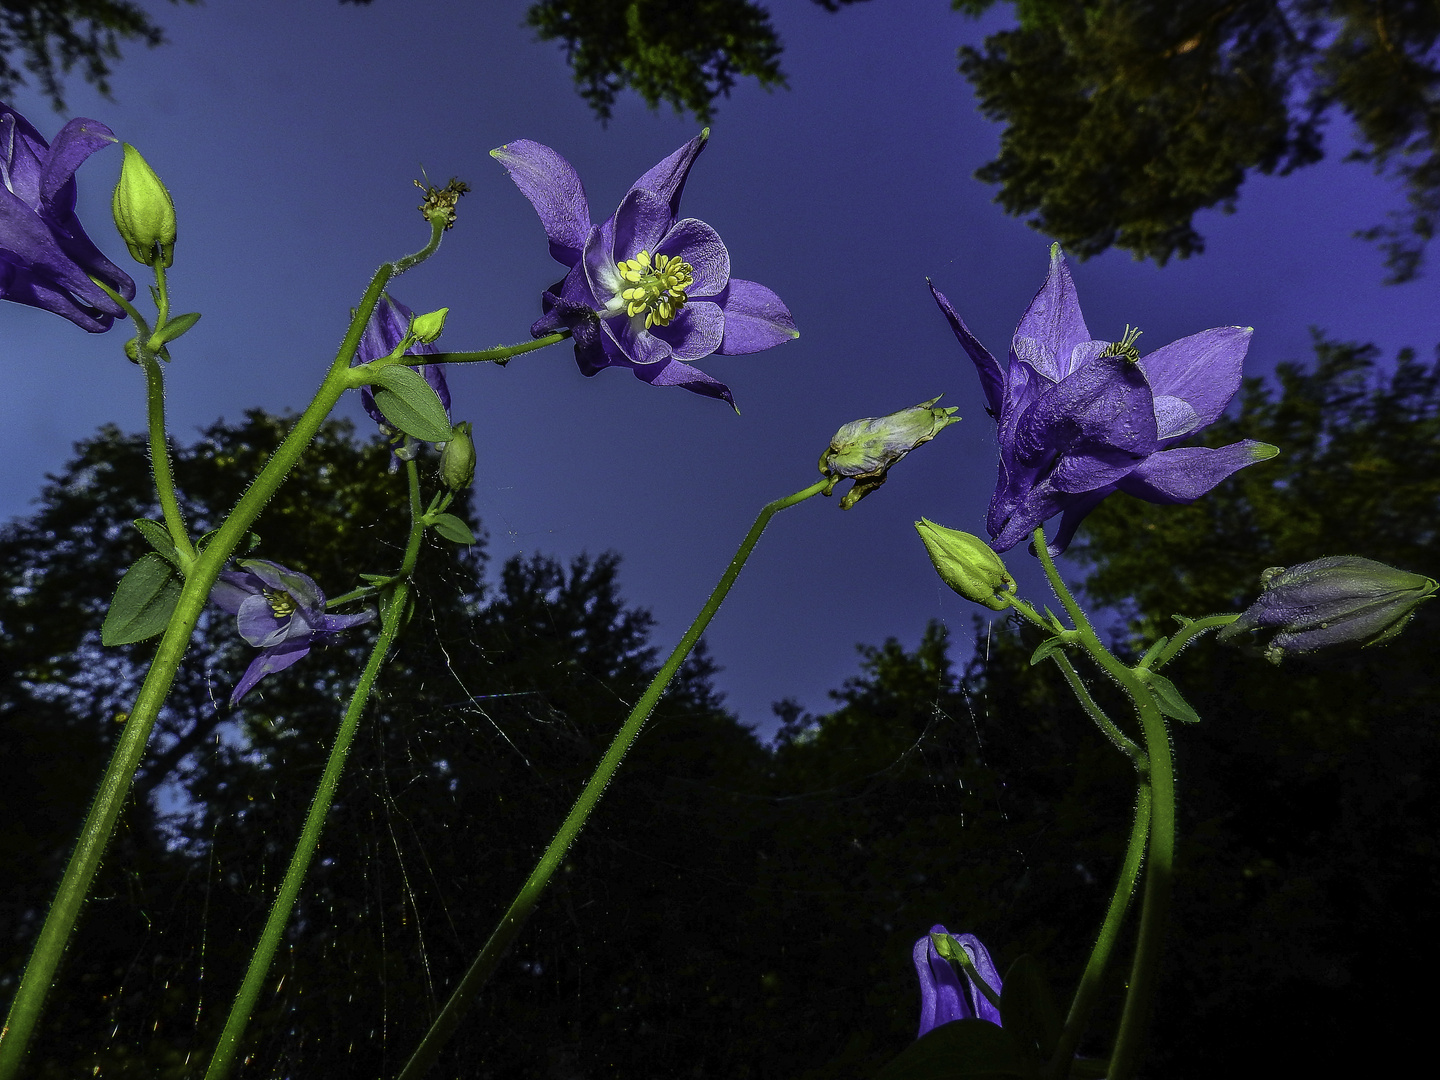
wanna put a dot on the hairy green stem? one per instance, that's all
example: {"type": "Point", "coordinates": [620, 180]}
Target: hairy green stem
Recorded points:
{"type": "Point", "coordinates": [524, 903]}
{"type": "Point", "coordinates": [160, 456]}
{"type": "Point", "coordinates": [1093, 977]}
{"type": "Point", "coordinates": [40, 970]}
{"type": "Point", "coordinates": [1160, 858]}
{"type": "Point", "coordinates": [1186, 634]}
{"type": "Point", "coordinates": [228, 1045]}
{"type": "Point", "coordinates": [501, 354]}
{"type": "Point", "coordinates": [1111, 730]}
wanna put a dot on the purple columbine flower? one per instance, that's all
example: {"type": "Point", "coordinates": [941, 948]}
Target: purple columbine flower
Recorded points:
{"type": "Point", "coordinates": [387, 326]}
{"type": "Point", "coordinates": [46, 260]}
{"type": "Point", "coordinates": [1078, 419]}
{"type": "Point", "coordinates": [647, 290]}
{"type": "Point", "coordinates": [947, 994]}
{"type": "Point", "coordinates": [281, 612]}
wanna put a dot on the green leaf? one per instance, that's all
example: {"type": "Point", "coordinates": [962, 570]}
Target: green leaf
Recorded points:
{"type": "Point", "coordinates": [158, 537]}
{"type": "Point", "coordinates": [143, 603]}
{"type": "Point", "coordinates": [1048, 646]}
{"type": "Point", "coordinates": [1153, 652]}
{"type": "Point", "coordinates": [174, 328]}
{"type": "Point", "coordinates": [1171, 703]}
{"type": "Point", "coordinates": [959, 1050]}
{"type": "Point", "coordinates": [411, 404]}
{"type": "Point", "coordinates": [1029, 1011]}
{"type": "Point", "coordinates": [452, 528]}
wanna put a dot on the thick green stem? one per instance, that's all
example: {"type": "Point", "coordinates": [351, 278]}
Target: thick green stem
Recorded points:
{"type": "Point", "coordinates": [524, 903]}
{"type": "Point", "coordinates": [160, 455]}
{"type": "Point", "coordinates": [1160, 858]}
{"type": "Point", "coordinates": [229, 1043]}
{"type": "Point", "coordinates": [39, 974]}
{"type": "Point", "coordinates": [1093, 977]}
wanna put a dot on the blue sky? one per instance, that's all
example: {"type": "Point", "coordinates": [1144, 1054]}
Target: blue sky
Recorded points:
{"type": "Point", "coordinates": [289, 132]}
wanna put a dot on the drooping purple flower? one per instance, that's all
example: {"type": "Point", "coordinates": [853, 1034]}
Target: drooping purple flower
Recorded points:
{"type": "Point", "coordinates": [281, 612]}
{"type": "Point", "coordinates": [646, 290]}
{"type": "Point", "coordinates": [1078, 418]}
{"type": "Point", "coordinates": [387, 326]}
{"type": "Point", "coordinates": [46, 259]}
{"type": "Point", "coordinates": [947, 994]}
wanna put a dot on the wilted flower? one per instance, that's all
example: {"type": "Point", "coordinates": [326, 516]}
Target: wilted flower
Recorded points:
{"type": "Point", "coordinates": [967, 564]}
{"type": "Point", "coordinates": [281, 612]}
{"type": "Point", "coordinates": [947, 994]}
{"type": "Point", "coordinates": [646, 290]}
{"type": "Point", "coordinates": [387, 326]}
{"type": "Point", "coordinates": [1078, 418]}
{"type": "Point", "coordinates": [46, 260]}
{"type": "Point", "coordinates": [1340, 600]}
{"type": "Point", "coordinates": [864, 450]}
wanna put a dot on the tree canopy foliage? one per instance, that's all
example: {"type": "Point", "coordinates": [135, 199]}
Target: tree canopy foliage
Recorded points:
{"type": "Point", "coordinates": [1123, 118]}
{"type": "Point", "coordinates": [735, 909]}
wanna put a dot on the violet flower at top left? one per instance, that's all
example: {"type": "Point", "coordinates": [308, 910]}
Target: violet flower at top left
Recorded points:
{"type": "Point", "coordinates": [46, 259]}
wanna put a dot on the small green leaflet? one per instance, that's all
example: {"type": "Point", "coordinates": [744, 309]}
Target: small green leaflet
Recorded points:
{"type": "Point", "coordinates": [144, 601]}
{"type": "Point", "coordinates": [174, 328]}
{"type": "Point", "coordinates": [1048, 646]}
{"type": "Point", "coordinates": [410, 403]}
{"type": "Point", "coordinates": [158, 537]}
{"type": "Point", "coordinates": [1169, 699]}
{"type": "Point", "coordinates": [1153, 652]}
{"type": "Point", "coordinates": [452, 528]}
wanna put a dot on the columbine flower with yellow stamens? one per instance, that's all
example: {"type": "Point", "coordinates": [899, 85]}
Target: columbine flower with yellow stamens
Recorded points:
{"type": "Point", "coordinates": [646, 290]}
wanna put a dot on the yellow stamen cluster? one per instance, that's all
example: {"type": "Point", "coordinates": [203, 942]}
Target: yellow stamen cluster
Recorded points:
{"type": "Point", "coordinates": [281, 603]}
{"type": "Point", "coordinates": [657, 288]}
{"type": "Point", "coordinates": [1125, 347]}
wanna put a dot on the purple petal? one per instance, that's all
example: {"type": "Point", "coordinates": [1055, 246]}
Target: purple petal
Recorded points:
{"type": "Point", "coordinates": [554, 189]}
{"type": "Point", "coordinates": [992, 380]}
{"type": "Point", "coordinates": [700, 246]}
{"type": "Point", "coordinates": [329, 624]}
{"type": "Point", "coordinates": [636, 345]}
{"type": "Point", "coordinates": [695, 332]}
{"type": "Point", "coordinates": [1052, 326]}
{"type": "Point", "coordinates": [1075, 511]}
{"type": "Point", "coordinates": [941, 998]}
{"type": "Point", "coordinates": [276, 658]}
{"type": "Point", "coordinates": [1035, 506]}
{"type": "Point", "coordinates": [1183, 475]}
{"type": "Point", "coordinates": [22, 151]}
{"type": "Point", "coordinates": [677, 373]}
{"type": "Point", "coordinates": [282, 579]}
{"type": "Point", "coordinates": [77, 141]}
{"type": "Point", "coordinates": [755, 319]}
{"type": "Point", "coordinates": [1106, 405]}
{"type": "Point", "coordinates": [641, 223]}
{"type": "Point", "coordinates": [985, 968]}
{"type": "Point", "coordinates": [232, 589]}
{"type": "Point", "coordinates": [258, 623]}
{"type": "Point", "coordinates": [1202, 370]}
{"type": "Point", "coordinates": [667, 180]}
{"type": "Point", "coordinates": [602, 277]}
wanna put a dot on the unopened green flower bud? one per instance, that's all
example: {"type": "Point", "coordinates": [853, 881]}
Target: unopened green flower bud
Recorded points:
{"type": "Point", "coordinates": [864, 450]}
{"type": "Point", "coordinates": [457, 460]}
{"type": "Point", "coordinates": [1340, 600]}
{"type": "Point", "coordinates": [144, 212]}
{"type": "Point", "coordinates": [429, 326]}
{"type": "Point", "coordinates": [967, 564]}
